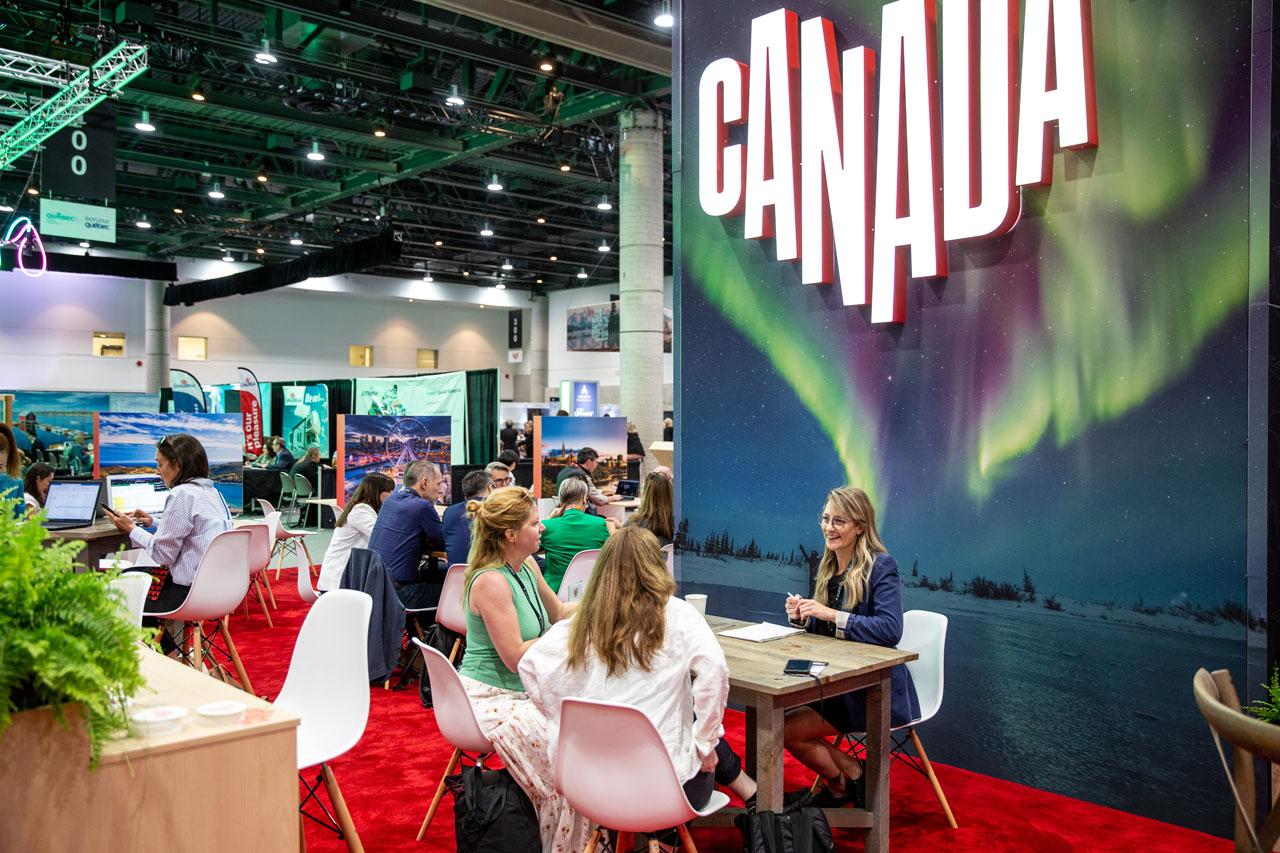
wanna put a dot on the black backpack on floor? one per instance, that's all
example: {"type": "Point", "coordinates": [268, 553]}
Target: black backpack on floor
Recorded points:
{"type": "Point", "coordinates": [491, 814]}
{"type": "Point", "coordinates": [800, 830]}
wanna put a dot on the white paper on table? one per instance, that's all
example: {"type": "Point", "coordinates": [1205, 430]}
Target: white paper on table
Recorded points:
{"type": "Point", "coordinates": [761, 633]}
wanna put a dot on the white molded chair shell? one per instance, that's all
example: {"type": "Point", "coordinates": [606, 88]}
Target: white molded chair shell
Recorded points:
{"type": "Point", "coordinates": [454, 717]}
{"type": "Point", "coordinates": [221, 581]}
{"type": "Point", "coordinates": [669, 551]}
{"type": "Point", "coordinates": [450, 613]}
{"type": "Point", "coordinates": [261, 541]}
{"type": "Point", "coordinates": [266, 507]}
{"type": "Point", "coordinates": [613, 768]}
{"type": "Point", "coordinates": [925, 633]}
{"type": "Point", "coordinates": [134, 586]}
{"type": "Point", "coordinates": [613, 511]}
{"type": "Point", "coordinates": [328, 681]}
{"type": "Point", "coordinates": [306, 591]}
{"type": "Point", "coordinates": [579, 569]}
{"type": "Point", "coordinates": [545, 505]}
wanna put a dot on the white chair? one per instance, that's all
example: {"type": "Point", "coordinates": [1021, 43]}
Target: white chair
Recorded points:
{"type": "Point", "coordinates": [614, 769]}
{"type": "Point", "coordinates": [545, 506]}
{"type": "Point", "coordinates": [455, 719]}
{"type": "Point", "coordinates": [134, 586]}
{"type": "Point", "coordinates": [450, 614]}
{"type": "Point", "coordinates": [328, 688]}
{"type": "Point", "coordinates": [669, 551]}
{"type": "Point", "coordinates": [286, 541]}
{"type": "Point", "coordinates": [925, 633]}
{"type": "Point", "coordinates": [220, 584]}
{"type": "Point", "coordinates": [578, 571]}
{"type": "Point", "coordinates": [260, 543]}
{"type": "Point", "coordinates": [613, 511]}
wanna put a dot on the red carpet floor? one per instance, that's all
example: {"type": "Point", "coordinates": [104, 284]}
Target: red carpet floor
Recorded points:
{"type": "Point", "coordinates": [388, 779]}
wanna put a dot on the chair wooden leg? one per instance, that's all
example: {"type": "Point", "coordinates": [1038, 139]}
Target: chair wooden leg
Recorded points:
{"type": "Point", "coordinates": [453, 652]}
{"type": "Point", "coordinates": [245, 685]}
{"type": "Point", "coordinates": [435, 801]}
{"type": "Point", "coordinates": [686, 839]}
{"type": "Point", "coordinates": [262, 600]}
{"type": "Point", "coordinates": [349, 833]}
{"type": "Point", "coordinates": [591, 842]}
{"type": "Point", "coordinates": [266, 581]}
{"type": "Point", "coordinates": [196, 660]}
{"type": "Point", "coordinates": [933, 779]}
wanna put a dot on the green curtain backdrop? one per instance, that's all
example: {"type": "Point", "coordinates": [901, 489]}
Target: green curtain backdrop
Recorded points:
{"type": "Point", "coordinates": [482, 416]}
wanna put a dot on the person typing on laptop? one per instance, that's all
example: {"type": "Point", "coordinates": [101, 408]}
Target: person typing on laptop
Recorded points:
{"type": "Point", "coordinates": [194, 514]}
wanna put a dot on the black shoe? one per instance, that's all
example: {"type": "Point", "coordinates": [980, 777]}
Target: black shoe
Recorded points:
{"type": "Point", "coordinates": [793, 800]}
{"type": "Point", "coordinates": [826, 799]}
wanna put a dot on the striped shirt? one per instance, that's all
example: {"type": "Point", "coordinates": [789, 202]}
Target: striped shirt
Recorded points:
{"type": "Point", "coordinates": [194, 514]}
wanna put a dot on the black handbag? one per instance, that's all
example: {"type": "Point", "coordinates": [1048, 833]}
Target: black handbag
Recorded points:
{"type": "Point", "coordinates": [491, 814]}
{"type": "Point", "coordinates": [441, 639]}
{"type": "Point", "coordinates": [800, 830]}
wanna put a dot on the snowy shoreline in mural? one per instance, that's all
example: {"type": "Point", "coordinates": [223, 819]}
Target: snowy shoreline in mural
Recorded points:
{"type": "Point", "coordinates": [388, 445]}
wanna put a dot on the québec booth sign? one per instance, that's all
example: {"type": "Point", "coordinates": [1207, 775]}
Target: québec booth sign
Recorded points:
{"type": "Point", "coordinates": [839, 178]}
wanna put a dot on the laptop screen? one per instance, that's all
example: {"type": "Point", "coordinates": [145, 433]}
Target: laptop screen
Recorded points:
{"type": "Point", "coordinates": [72, 501]}
{"type": "Point", "coordinates": [628, 488]}
{"type": "Point", "coordinates": [127, 492]}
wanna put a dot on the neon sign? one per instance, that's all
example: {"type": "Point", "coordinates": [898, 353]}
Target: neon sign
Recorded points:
{"type": "Point", "coordinates": [22, 235]}
{"type": "Point", "coordinates": [841, 181]}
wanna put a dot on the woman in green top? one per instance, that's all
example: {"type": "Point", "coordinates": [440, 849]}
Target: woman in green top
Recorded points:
{"type": "Point", "coordinates": [569, 530]}
{"type": "Point", "coordinates": [508, 607]}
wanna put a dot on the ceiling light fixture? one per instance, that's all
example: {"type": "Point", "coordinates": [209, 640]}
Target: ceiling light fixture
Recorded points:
{"type": "Point", "coordinates": [379, 131]}
{"type": "Point", "coordinates": [427, 277]}
{"type": "Point", "coordinates": [494, 185]}
{"type": "Point", "coordinates": [262, 176]}
{"type": "Point", "coordinates": [85, 244]}
{"type": "Point", "coordinates": [226, 258]}
{"type": "Point", "coordinates": [466, 272]}
{"type": "Point", "coordinates": [144, 123]}
{"type": "Point", "coordinates": [553, 258]}
{"type": "Point", "coordinates": [499, 286]}
{"type": "Point", "coordinates": [261, 251]}
{"type": "Point", "coordinates": [454, 99]}
{"type": "Point", "coordinates": [265, 56]}
{"type": "Point", "coordinates": [541, 220]}
{"type": "Point", "coordinates": [546, 65]}
{"type": "Point", "coordinates": [506, 265]}
{"type": "Point", "coordinates": [604, 203]}
{"type": "Point", "coordinates": [315, 154]}
{"type": "Point", "coordinates": [439, 242]}
{"type": "Point", "coordinates": [178, 211]}
{"type": "Point", "coordinates": [216, 191]}
{"type": "Point", "coordinates": [603, 247]}
{"type": "Point", "coordinates": [33, 191]}
{"type": "Point", "coordinates": [143, 223]}
{"type": "Point", "coordinates": [582, 273]}
{"type": "Point", "coordinates": [486, 231]}
{"type": "Point", "coordinates": [664, 18]}
{"type": "Point", "coordinates": [6, 208]}
{"type": "Point", "coordinates": [538, 281]}
{"type": "Point", "coordinates": [197, 93]}
{"type": "Point", "coordinates": [565, 166]}
{"type": "Point", "coordinates": [296, 239]}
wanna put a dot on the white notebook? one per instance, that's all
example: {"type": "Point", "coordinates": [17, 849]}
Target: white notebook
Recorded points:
{"type": "Point", "coordinates": [761, 633]}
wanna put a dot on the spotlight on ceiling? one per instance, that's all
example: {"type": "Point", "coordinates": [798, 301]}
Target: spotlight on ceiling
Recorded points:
{"type": "Point", "coordinates": [197, 93]}
{"type": "Point", "coordinates": [265, 56]}
{"type": "Point", "coordinates": [566, 166]}
{"type": "Point", "coordinates": [454, 99]}
{"type": "Point", "coordinates": [506, 265]}
{"type": "Point", "coordinates": [315, 154]}
{"type": "Point", "coordinates": [144, 123]}
{"type": "Point", "coordinates": [262, 176]}
{"type": "Point", "coordinates": [603, 247]}
{"type": "Point", "coordinates": [261, 251]}
{"type": "Point", "coordinates": [494, 185]}
{"type": "Point", "coordinates": [546, 65]}
{"type": "Point", "coordinates": [466, 272]}
{"type": "Point", "coordinates": [582, 273]}
{"type": "Point", "coordinates": [33, 191]}
{"type": "Point", "coordinates": [216, 191]}
{"type": "Point", "coordinates": [538, 281]}
{"type": "Point", "coordinates": [226, 257]}
{"type": "Point", "coordinates": [553, 258]}
{"type": "Point", "coordinates": [439, 243]}
{"type": "Point", "coordinates": [296, 239]}
{"type": "Point", "coordinates": [379, 131]}
{"type": "Point", "coordinates": [499, 286]}
{"type": "Point", "coordinates": [85, 244]}
{"type": "Point", "coordinates": [604, 203]}
{"type": "Point", "coordinates": [486, 231]}
{"type": "Point", "coordinates": [6, 208]}
{"type": "Point", "coordinates": [541, 220]}
{"type": "Point", "coordinates": [178, 211]}
{"type": "Point", "coordinates": [664, 18]}
{"type": "Point", "coordinates": [143, 223]}
{"type": "Point", "coordinates": [427, 277]}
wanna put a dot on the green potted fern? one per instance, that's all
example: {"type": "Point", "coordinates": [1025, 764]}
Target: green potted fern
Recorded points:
{"type": "Point", "coordinates": [68, 649]}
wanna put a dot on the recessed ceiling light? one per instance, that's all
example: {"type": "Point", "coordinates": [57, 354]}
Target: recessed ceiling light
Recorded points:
{"type": "Point", "coordinates": [439, 242]}
{"type": "Point", "coordinates": [664, 18]}
{"type": "Point", "coordinates": [143, 223]}
{"type": "Point", "coordinates": [427, 278]}
{"type": "Point", "coordinates": [265, 56]}
{"type": "Point", "coordinates": [178, 211]}
{"type": "Point", "coordinates": [538, 281]}
{"type": "Point", "coordinates": [454, 99]}
{"type": "Point", "coordinates": [506, 265]}
{"type": "Point", "coordinates": [379, 131]}
{"type": "Point", "coordinates": [582, 273]}
{"type": "Point", "coordinates": [216, 191]}
{"type": "Point", "coordinates": [604, 204]}
{"type": "Point", "coordinates": [296, 239]}
{"type": "Point", "coordinates": [541, 220]}
{"type": "Point", "coordinates": [144, 123]}
{"type": "Point", "coordinates": [553, 258]}
{"type": "Point", "coordinates": [486, 231]}
{"type": "Point", "coordinates": [315, 154]}
{"type": "Point", "coordinates": [466, 272]}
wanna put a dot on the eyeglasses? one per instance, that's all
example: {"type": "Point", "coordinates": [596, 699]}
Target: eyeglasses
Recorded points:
{"type": "Point", "coordinates": [502, 481]}
{"type": "Point", "coordinates": [835, 522]}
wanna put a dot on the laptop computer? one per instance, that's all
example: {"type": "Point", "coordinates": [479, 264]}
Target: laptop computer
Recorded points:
{"type": "Point", "coordinates": [71, 503]}
{"type": "Point", "coordinates": [127, 492]}
{"type": "Point", "coordinates": [628, 488]}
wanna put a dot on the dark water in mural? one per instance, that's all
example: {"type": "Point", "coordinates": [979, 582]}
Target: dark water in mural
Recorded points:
{"type": "Point", "coordinates": [1052, 700]}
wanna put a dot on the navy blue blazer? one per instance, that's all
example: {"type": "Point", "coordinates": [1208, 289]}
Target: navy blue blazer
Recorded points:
{"type": "Point", "coordinates": [456, 529]}
{"type": "Point", "coordinates": [877, 619]}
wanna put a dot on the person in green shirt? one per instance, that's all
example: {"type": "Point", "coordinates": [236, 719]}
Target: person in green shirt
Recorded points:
{"type": "Point", "coordinates": [509, 606]}
{"type": "Point", "coordinates": [570, 530]}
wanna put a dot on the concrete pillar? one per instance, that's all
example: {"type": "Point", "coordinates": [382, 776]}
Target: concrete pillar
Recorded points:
{"type": "Point", "coordinates": [640, 220]}
{"type": "Point", "coordinates": [156, 364]}
{"type": "Point", "coordinates": [536, 349]}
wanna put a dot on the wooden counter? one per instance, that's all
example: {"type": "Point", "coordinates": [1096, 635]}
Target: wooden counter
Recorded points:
{"type": "Point", "coordinates": [203, 788]}
{"type": "Point", "coordinates": [101, 539]}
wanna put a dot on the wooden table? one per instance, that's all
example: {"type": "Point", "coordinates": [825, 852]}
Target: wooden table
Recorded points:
{"type": "Point", "coordinates": [102, 539]}
{"type": "Point", "coordinates": [319, 502]}
{"type": "Point", "coordinates": [203, 788]}
{"type": "Point", "coordinates": [756, 680]}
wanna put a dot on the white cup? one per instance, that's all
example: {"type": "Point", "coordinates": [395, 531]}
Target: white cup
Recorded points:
{"type": "Point", "coordinates": [699, 602]}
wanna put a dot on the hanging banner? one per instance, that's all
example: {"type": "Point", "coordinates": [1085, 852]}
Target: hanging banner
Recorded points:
{"type": "Point", "coordinates": [188, 396]}
{"type": "Point", "coordinates": [250, 411]}
{"type": "Point", "coordinates": [586, 396]}
{"type": "Point", "coordinates": [77, 221]}
{"type": "Point", "coordinates": [437, 394]}
{"type": "Point", "coordinates": [80, 162]}
{"type": "Point", "coordinates": [305, 419]}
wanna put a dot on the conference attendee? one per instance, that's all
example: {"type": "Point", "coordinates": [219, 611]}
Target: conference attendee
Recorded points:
{"type": "Point", "coordinates": [528, 438]}
{"type": "Point", "coordinates": [509, 435]}
{"type": "Point", "coordinates": [38, 450]}
{"type": "Point", "coordinates": [10, 469]}
{"type": "Point", "coordinates": [657, 508]}
{"type": "Point", "coordinates": [408, 529]}
{"type": "Point", "coordinates": [508, 606]}
{"type": "Point", "coordinates": [631, 642]}
{"type": "Point", "coordinates": [587, 462]}
{"type": "Point", "coordinates": [354, 527]}
{"type": "Point", "coordinates": [569, 530]}
{"type": "Point", "coordinates": [309, 466]}
{"type": "Point", "coordinates": [35, 486]}
{"type": "Point", "coordinates": [562, 414]}
{"type": "Point", "coordinates": [857, 596]}
{"type": "Point", "coordinates": [194, 513]}
{"type": "Point", "coordinates": [668, 430]}
{"type": "Point", "coordinates": [499, 474]}
{"type": "Point", "coordinates": [509, 458]}
{"type": "Point", "coordinates": [283, 459]}
{"type": "Point", "coordinates": [456, 525]}
{"type": "Point", "coordinates": [666, 472]}
{"type": "Point", "coordinates": [635, 447]}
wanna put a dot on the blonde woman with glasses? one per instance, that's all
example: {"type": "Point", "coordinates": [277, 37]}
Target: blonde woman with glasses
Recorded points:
{"type": "Point", "coordinates": [858, 597]}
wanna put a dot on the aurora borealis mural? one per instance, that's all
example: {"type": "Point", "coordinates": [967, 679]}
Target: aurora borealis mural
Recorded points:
{"type": "Point", "coordinates": [1054, 439]}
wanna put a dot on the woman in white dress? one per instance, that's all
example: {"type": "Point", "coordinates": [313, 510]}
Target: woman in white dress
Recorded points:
{"type": "Point", "coordinates": [354, 527]}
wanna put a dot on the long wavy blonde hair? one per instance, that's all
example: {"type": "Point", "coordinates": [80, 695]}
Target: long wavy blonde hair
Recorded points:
{"type": "Point", "coordinates": [853, 504]}
{"type": "Point", "coordinates": [657, 507]}
{"type": "Point", "coordinates": [504, 509]}
{"type": "Point", "coordinates": [621, 616]}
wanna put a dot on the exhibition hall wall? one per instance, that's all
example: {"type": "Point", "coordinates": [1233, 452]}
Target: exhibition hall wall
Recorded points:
{"type": "Point", "coordinates": [1055, 434]}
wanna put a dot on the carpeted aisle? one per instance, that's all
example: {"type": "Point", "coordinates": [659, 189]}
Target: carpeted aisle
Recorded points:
{"type": "Point", "coordinates": [388, 779]}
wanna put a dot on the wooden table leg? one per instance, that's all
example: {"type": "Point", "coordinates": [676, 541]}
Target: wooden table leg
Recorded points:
{"type": "Point", "coordinates": [750, 756]}
{"type": "Point", "coordinates": [877, 767]}
{"type": "Point", "coordinates": [768, 754]}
